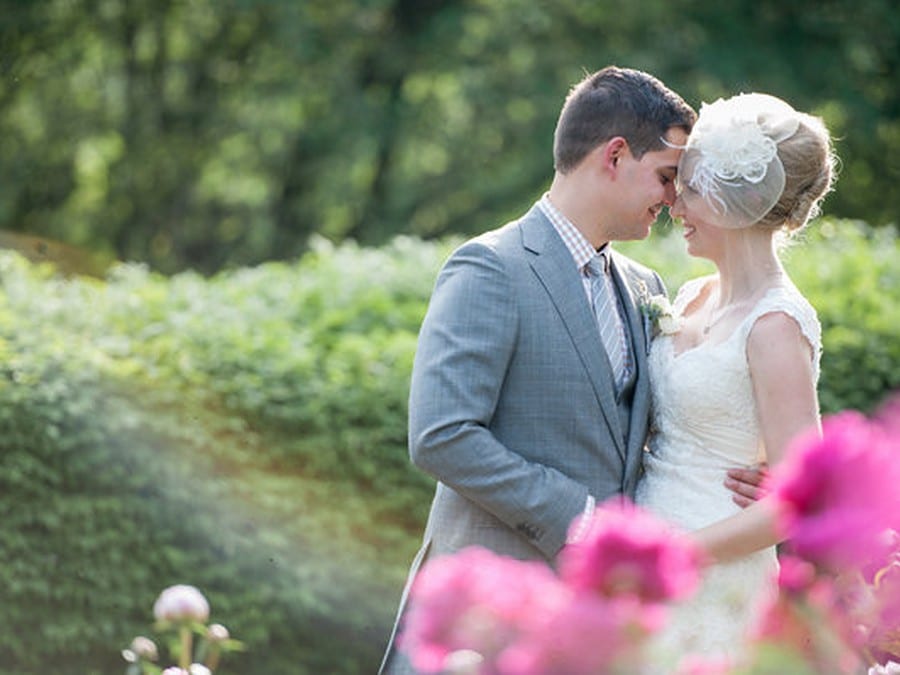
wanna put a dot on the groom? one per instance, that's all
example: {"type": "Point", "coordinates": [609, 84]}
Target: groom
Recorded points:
{"type": "Point", "coordinates": [530, 398]}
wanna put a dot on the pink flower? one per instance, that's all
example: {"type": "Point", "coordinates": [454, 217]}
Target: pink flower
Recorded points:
{"type": "Point", "coordinates": [693, 664]}
{"type": "Point", "coordinates": [807, 622]}
{"type": "Point", "coordinates": [880, 616]}
{"type": "Point", "coordinates": [474, 600]}
{"type": "Point", "coordinates": [795, 576]}
{"type": "Point", "coordinates": [889, 552]}
{"type": "Point", "coordinates": [839, 493]}
{"type": "Point", "coordinates": [181, 603]}
{"type": "Point", "coordinates": [586, 635]}
{"type": "Point", "coordinates": [629, 552]}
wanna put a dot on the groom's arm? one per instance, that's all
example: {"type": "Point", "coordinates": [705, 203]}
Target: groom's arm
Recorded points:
{"type": "Point", "coordinates": [466, 344]}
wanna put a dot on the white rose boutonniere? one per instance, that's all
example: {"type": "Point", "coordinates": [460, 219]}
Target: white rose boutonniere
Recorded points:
{"type": "Point", "coordinates": [659, 311]}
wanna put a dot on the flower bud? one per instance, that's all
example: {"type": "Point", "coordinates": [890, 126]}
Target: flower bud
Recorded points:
{"type": "Point", "coordinates": [217, 633]}
{"type": "Point", "coordinates": [144, 648]}
{"type": "Point", "coordinates": [181, 603]}
{"type": "Point", "coordinates": [464, 662]}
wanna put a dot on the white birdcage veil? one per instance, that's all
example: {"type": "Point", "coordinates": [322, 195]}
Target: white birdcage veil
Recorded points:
{"type": "Point", "coordinates": [731, 157]}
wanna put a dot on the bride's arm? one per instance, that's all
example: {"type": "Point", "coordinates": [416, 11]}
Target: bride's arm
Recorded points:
{"type": "Point", "coordinates": [780, 360]}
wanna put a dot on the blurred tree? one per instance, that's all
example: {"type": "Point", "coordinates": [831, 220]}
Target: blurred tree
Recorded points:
{"type": "Point", "coordinates": [204, 134]}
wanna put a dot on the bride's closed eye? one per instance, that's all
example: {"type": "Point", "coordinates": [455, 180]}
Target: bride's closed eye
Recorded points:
{"type": "Point", "coordinates": [681, 188]}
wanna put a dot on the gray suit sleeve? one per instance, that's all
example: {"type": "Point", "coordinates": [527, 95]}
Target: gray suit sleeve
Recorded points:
{"type": "Point", "coordinates": [466, 343]}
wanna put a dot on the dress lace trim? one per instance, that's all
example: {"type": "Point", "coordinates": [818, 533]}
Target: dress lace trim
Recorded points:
{"type": "Point", "coordinates": [784, 298]}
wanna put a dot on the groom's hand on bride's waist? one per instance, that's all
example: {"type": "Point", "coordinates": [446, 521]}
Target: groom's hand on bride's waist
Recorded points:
{"type": "Point", "coordinates": [747, 485]}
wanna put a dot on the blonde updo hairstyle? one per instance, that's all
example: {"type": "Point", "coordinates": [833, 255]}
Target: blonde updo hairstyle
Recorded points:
{"type": "Point", "coordinates": [810, 168]}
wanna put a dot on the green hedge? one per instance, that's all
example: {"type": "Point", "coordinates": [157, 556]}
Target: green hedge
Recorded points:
{"type": "Point", "coordinates": [246, 434]}
{"type": "Point", "coordinates": [221, 432]}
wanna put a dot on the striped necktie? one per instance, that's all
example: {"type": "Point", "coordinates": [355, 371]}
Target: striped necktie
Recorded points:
{"type": "Point", "coordinates": [606, 311]}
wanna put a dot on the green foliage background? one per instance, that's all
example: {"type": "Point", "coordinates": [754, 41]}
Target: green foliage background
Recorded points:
{"type": "Point", "coordinates": [204, 134]}
{"type": "Point", "coordinates": [245, 433]}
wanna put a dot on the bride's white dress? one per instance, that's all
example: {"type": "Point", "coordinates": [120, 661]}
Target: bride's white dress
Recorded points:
{"type": "Point", "coordinates": [704, 422]}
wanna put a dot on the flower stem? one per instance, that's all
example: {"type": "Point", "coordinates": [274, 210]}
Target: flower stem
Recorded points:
{"type": "Point", "coordinates": [212, 661]}
{"type": "Point", "coordinates": [186, 647]}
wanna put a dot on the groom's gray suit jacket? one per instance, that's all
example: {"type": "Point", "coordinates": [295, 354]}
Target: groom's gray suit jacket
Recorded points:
{"type": "Point", "coordinates": [512, 403]}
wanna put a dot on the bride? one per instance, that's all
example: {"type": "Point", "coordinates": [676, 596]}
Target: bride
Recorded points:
{"type": "Point", "coordinates": [737, 382]}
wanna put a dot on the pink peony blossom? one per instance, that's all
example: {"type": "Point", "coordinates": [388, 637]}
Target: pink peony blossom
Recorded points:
{"type": "Point", "coordinates": [586, 635]}
{"type": "Point", "coordinates": [807, 622]}
{"type": "Point", "coordinates": [782, 619]}
{"type": "Point", "coordinates": [880, 616]}
{"type": "Point", "coordinates": [838, 493]}
{"type": "Point", "coordinates": [693, 664]}
{"type": "Point", "coordinates": [629, 552]}
{"type": "Point", "coordinates": [888, 553]}
{"type": "Point", "coordinates": [795, 576]}
{"type": "Point", "coordinates": [181, 603]}
{"type": "Point", "coordinates": [474, 600]}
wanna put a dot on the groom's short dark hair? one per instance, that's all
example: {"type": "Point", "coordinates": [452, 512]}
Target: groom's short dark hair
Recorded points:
{"type": "Point", "coordinates": [617, 102]}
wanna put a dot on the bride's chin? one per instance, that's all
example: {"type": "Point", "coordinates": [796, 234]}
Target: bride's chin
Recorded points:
{"type": "Point", "coordinates": [694, 252]}
{"type": "Point", "coordinates": [691, 247]}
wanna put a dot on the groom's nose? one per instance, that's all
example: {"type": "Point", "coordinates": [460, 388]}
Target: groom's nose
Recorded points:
{"type": "Point", "coordinates": [670, 195]}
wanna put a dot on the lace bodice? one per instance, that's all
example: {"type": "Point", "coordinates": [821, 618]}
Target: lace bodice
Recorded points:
{"type": "Point", "coordinates": [704, 411]}
{"type": "Point", "coordinates": [705, 422]}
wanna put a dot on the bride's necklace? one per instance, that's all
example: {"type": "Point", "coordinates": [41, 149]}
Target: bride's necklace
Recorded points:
{"type": "Point", "coordinates": [716, 316]}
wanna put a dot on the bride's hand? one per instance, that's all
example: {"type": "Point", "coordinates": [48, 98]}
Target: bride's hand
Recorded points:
{"type": "Point", "coordinates": [747, 484]}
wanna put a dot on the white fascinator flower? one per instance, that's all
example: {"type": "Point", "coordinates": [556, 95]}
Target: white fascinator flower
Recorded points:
{"type": "Point", "coordinates": [731, 158]}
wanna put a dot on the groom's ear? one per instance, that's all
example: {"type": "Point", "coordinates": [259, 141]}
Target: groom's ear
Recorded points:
{"type": "Point", "coordinates": [612, 152]}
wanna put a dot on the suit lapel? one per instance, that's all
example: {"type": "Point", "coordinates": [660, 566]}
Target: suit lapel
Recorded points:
{"type": "Point", "coordinates": [628, 283]}
{"type": "Point", "coordinates": [554, 267]}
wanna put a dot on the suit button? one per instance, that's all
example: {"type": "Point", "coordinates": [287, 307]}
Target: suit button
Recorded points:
{"type": "Point", "coordinates": [530, 531]}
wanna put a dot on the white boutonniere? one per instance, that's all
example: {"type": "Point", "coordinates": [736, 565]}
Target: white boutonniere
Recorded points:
{"type": "Point", "coordinates": [659, 311]}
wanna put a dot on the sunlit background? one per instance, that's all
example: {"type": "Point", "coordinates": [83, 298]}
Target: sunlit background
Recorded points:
{"type": "Point", "coordinates": [283, 179]}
